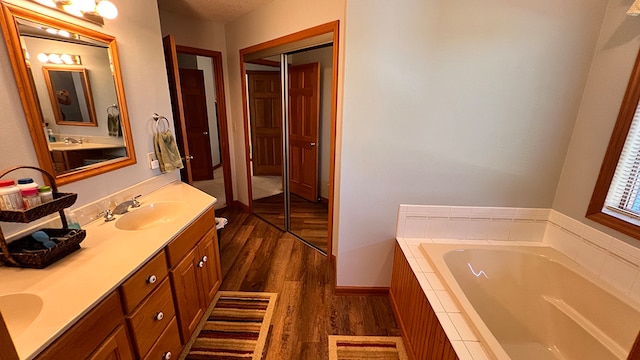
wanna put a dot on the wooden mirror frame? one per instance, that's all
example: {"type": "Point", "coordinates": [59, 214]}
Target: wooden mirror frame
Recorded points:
{"type": "Point", "coordinates": [30, 104]}
{"type": "Point", "coordinates": [86, 94]}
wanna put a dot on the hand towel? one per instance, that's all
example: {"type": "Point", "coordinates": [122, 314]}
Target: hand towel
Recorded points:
{"type": "Point", "coordinates": [167, 151]}
{"type": "Point", "coordinates": [113, 125]}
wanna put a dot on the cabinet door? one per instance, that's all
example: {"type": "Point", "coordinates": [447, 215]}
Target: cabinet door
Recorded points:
{"type": "Point", "coordinates": [115, 347]}
{"type": "Point", "coordinates": [211, 277]}
{"type": "Point", "coordinates": [185, 278]}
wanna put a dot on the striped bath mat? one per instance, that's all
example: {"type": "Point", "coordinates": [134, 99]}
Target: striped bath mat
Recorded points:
{"type": "Point", "coordinates": [236, 328]}
{"type": "Point", "coordinates": [366, 347]}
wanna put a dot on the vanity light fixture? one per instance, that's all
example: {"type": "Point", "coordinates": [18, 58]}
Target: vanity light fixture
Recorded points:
{"type": "Point", "coordinates": [91, 10]}
{"type": "Point", "coordinates": [634, 10]}
{"type": "Point", "coordinates": [59, 59]}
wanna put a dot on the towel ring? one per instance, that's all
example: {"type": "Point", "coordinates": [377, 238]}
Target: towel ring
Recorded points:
{"type": "Point", "coordinates": [157, 118]}
{"type": "Point", "coordinates": [113, 110]}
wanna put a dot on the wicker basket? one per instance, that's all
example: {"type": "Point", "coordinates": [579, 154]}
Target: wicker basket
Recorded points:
{"type": "Point", "coordinates": [26, 252]}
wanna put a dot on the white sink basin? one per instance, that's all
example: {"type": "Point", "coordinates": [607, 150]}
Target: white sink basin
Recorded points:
{"type": "Point", "coordinates": [151, 215]}
{"type": "Point", "coordinates": [19, 311]}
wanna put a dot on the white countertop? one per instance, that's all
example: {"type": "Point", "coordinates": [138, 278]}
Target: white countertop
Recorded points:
{"type": "Point", "coordinates": [70, 287]}
{"type": "Point", "coordinates": [61, 146]}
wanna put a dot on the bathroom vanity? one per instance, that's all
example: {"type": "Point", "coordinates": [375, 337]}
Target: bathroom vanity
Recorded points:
{"type": "Point", "coordinates": [137, 289]}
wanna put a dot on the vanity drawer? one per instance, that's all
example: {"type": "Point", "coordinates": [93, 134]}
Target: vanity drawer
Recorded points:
{"type": "Point", "coordinates": [188, 238]}
{"type": "Point", "coordinates": [168, 345]}
{"type": "Point", "coordinates": [143, 282]}
{"type": "Point", "coordinates": [151, 318]}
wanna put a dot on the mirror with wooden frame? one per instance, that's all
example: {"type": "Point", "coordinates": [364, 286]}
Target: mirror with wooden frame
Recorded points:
{"type": "Point", "coordinates": [70, 95]}
{"type": "Point", "coordinates": [79, 129]}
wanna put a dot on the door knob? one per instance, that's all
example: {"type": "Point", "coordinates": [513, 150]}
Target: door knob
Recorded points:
{"type": "Point", "coordinates": [312, 144]}
{"type": "Point", "coordinates": [205, 133]}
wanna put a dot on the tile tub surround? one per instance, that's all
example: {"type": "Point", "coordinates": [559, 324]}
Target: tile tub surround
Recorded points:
{"type": "Point", "coordinates": [601, 255]}
{"type": "Point", "coordinates": [72, 286]}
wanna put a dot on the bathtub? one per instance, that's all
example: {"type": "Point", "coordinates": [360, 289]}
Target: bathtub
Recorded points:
{"type": "Point", "coordinates": [530, 302]}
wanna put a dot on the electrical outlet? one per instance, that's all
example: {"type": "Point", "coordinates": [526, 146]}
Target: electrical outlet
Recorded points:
{"type": "Point", "coordinates": [153, 160]}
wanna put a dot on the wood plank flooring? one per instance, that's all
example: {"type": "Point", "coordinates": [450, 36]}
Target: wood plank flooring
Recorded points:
{"type": "Point", "coordinates": [309, 220]}
{"type": "Point", "coordinates": [255, 256]}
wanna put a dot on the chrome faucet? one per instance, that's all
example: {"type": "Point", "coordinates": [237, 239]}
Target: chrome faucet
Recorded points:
{"type": "Point", "coordinates": [108, 215]}
{"type": "Point", "coordinates": [69, 140]}
{"type": "Point", "coordinates": [123, 207]}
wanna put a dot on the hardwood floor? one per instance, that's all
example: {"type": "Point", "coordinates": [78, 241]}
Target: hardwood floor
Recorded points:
{"type": "Point", "coordinates": [309, 220]}
{"type": "Point", "coordinates": [255, 256]}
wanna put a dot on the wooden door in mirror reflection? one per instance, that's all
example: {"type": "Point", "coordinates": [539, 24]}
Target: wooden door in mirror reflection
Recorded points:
{"type": "Point", "coordinates": [265, 118]}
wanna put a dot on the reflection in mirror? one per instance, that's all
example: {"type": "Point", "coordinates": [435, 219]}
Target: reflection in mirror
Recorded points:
{"type": "Point", "coordinates": [71, 92]}
{"type": "Point", "coordinates": [293, 194]}
{"type": "Point", "coordinates": [265, 127]}
{"type": "Point", "coordinates": [70, 95]}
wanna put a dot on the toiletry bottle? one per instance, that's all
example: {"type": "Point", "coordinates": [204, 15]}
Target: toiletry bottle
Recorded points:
{"type": "Point", "coordinates": [52, 138]}
{"type": "Point", "coordinates": [10, 197]}
{"type": "Point", "coordinates": [30, 198]}
{"type": "Point", "coordinates": [45, 193]}
{"type": "Point", "coordinates": [27, 183]}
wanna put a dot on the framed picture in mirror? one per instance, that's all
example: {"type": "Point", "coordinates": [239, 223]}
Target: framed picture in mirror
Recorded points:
{"type": "Point", "coordinates": [70, 95]}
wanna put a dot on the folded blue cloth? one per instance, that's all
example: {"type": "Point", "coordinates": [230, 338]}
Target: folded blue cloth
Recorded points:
{"type": "Point", "coordinates": [42, 237]}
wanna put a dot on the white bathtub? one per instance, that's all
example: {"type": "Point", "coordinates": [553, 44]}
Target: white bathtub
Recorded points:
{"type": "Point", "coordinates": [530, 302]}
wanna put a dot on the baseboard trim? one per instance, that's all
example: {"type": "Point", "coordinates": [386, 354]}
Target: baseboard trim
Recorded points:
{"type": "Point", "coordinates": [357, 290]}
{"type": "Point", "coordinates": [324, 200]}
{"type": "Point", "coordinates": [240, 205]}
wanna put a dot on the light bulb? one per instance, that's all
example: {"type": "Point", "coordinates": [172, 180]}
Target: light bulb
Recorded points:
{"type": "Point", "coordinates": [107, 10]}
{"type": "Point", "coordinates": [66, 58]}
{"type": "Point", "coordinates": [87, 6]}
{"type": "Point", "coordinates": [55, 58]}
{"type": "Point", "coordinates": [64, 33]}
{"type": "Point", "coordinates": [72, 9]}
{"type": "Point", "coordinates": [43, 58]}
{"type": "Point", "coordinates": [52, 31]}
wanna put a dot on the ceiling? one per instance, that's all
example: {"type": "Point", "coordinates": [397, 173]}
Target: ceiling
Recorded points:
{"type": "Point", "coordinates": [221, 11]}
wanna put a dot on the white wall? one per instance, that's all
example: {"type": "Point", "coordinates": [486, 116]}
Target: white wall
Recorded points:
{"type": "Point", "coordinates": [266, 23]}
{"type": "Point", "coordinates": [456, 103]}
{"type": "Point", "coordinates": [612, 64]}
{"type": "Point", "coordinates": [137, 32]}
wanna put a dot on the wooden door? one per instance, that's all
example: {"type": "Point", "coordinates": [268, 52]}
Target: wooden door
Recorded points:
{"type": "Point", "coordinates": [185, 280]}
{"type": "Point", "coordinates": [194, 102]}
{"type": "Point", "coordinates": [304, 114]}
{"type": "Point", "coordinates": [115, 347]}
{"type": "Point", "coordinates": [211, 274]}
{"type": "Point", "coordinates": [265, 119]}
{"type": "Point", "coordinates": [171, 59]}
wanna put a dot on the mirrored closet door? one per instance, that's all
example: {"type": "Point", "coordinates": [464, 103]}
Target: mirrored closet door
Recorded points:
{"type": "Point", "coordinates": [289, 133]}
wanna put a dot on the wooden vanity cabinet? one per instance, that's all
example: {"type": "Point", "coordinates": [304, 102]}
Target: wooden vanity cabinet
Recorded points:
{"type": "Point", "coordinates": [195, 271]}
{"type": "Point", "coordinates": [150, 312]}
{"type": "Point", "coordinates": [100, 334]}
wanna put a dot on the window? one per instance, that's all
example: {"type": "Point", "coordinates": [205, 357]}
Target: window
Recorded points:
{"type": "Point", "coordinates": [616, 198]}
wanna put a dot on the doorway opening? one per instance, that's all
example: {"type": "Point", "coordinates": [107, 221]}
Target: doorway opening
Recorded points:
{"type": "Point", "coordinates": [290, 131]}
{"type": "Point", "coordinates": [199, 111]}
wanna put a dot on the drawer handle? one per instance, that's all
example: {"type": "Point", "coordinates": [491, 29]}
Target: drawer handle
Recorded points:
{"type": "Point", "coordinates": [205, 258]}
{"type": "Point", "coordinates": [159, 316]}
{"type": "Point", "coordinates": [152, 279]}
{"type": "Point", "coordinates": [201, 264]}
{"type": "Point", "coordinates": [166, 356]}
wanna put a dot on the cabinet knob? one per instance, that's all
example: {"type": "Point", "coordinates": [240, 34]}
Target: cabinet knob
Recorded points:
{"type": "Point", "coordinates": [166, 356]}
{"type": "Point", "coordinates": [159, 316]}
{"type": "Point", "coordinates": [201, 264]}
{"type": "Point", "coordinates": [152, 279]}
{"type": "Point", "coordinates": [205, 258]}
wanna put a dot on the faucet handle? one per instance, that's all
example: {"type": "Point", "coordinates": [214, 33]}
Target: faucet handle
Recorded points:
{"type": "Point", "coordinates": [108, 215]}
{"type": "Point", "coordinates": [134, 201]}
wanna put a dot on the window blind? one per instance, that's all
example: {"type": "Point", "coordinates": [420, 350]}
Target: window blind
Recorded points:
{"type": "Point", "coordinates": [625, 186]}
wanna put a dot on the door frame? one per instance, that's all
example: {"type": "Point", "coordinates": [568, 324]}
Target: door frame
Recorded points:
{"type": "Point", "coordinates": [223, 134]}
{"type": "Point", "coordinates": [330, 27]}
